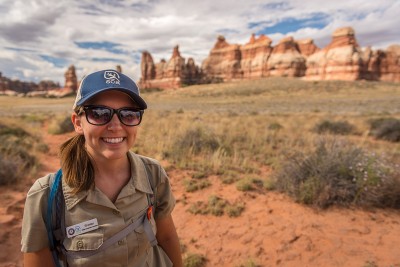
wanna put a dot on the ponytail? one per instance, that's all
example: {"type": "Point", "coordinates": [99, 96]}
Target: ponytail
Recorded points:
{"type": "Point", "coordinates": [76, 164]}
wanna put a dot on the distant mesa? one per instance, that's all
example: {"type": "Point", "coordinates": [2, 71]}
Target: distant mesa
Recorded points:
{"type": "Point", "coordinates": [43, 88]}
{"type": "Point", "coordinates": [342, 59]}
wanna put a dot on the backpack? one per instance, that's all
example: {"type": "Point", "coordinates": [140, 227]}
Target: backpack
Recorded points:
{"type": "Point", "coordinates": [55, 222]}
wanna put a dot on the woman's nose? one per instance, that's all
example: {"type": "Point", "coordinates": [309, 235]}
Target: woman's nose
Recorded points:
{"type": "Point", "coordinates": [114, 124]}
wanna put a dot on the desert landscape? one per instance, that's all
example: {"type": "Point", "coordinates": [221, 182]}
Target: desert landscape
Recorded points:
{"type": "Point", "coordinates": [226, 148]}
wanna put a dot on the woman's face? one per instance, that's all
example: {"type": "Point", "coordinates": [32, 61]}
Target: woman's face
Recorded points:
{"type": "Point", "coordinates": [110, 141]}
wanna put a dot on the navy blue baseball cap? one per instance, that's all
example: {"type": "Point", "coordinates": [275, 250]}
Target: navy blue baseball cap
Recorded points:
{"type": "Point", "coordinates": [106, 80]}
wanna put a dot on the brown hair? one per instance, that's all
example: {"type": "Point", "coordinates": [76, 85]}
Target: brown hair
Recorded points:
{"type": "Point", "coordinates": [76, 164]}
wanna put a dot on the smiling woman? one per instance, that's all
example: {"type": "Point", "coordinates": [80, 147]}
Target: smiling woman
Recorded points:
{"type": "Point", "coordinates": [113, 206]}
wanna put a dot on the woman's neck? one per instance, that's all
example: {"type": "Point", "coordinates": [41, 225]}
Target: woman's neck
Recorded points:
{"type": "Point", "coordinates": [112, 176]}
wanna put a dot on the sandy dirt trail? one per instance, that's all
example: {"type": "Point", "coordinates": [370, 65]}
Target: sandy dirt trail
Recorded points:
{"type": "Point", "coordinates": [272, 230]}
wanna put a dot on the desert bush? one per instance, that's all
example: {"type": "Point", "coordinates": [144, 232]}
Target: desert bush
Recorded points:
{"type": "Point", "coordinates": [337, 172]}
{"type": "Point", "coordinates": [249, 183]}
{"type": "Point", "coordinates": [192, 185]}
{"type": "Point", "coordinates": [385, 129]}
{"type": "Point", "coordinates": [16, 157]}
{"type": "Point", "coordinates": [60, 124]}
{"type": "Point", "coordinates": [197, 140]}
{"type": "Point", "coordinates": [217, 206]}
{"type": "Point", "coordinates": [194, 260]}
{"type": "Point", "coordinates": [333, 127]}
{"type": "Point", "coordinates": [275, 126]}
{"type": "Point", "coordinates": [248, 263]}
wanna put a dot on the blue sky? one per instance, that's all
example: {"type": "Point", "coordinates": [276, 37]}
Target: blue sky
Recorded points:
{"type": "Point", "coordinates": [39, 39]}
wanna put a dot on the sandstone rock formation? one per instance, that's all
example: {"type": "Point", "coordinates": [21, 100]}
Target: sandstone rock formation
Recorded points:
{"type": "Point", "coordinates": [342, 59]}
{"type": "Point", "coordinates": [254, 57]}
{"type": "Point", "coordinates": [286, 60]}
{"type": "Point", "coordinates": [172, 74]}
{"type": "Point", "coordinates": [15, 87]}
{"type": "Point", "coordinates": [307, 47]}
{"type": "Point", "coordinates": [223, 63]}
{"type": "Point", "coordinates": [389, 64]}
{"type": "Point", "coordinates": [71, 81]}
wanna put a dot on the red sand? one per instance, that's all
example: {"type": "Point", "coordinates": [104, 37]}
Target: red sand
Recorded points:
{"type": "Point", "coordinates": [272, 230]}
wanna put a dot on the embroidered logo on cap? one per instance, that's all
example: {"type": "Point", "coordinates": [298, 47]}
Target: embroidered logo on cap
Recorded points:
{"type": "Point", "coordinates": [111, 77]}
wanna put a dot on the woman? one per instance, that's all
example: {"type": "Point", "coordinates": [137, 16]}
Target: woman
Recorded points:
{"type": "Point", "coordinates": [106, 188]}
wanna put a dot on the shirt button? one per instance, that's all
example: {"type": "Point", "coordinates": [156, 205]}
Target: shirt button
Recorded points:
{"type": "Point", "coordinates": [79, 244]}
{"type": "Point", "coordinates": [120, 242]}
{"type": "Point", "coordinates": [115, 212]}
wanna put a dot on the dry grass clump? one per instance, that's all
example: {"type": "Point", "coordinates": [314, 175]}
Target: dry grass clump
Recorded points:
{"type": "Point", "coordinates": [334, 127]}
{"type": "Point", "coordinates": [386, 129]}
{"type": "Point", "coordinates": [194, 260]}
{"type": "Point", "coordinates": [337, 172]}
{"type": "Point", "coordinates": [60, 124]}
{"type": "Point", "coordinates": [192, 185]}
{"type": "Point", "coordinates": [17, 158]}
{"type": "Point", "coordinates": [217, 206]}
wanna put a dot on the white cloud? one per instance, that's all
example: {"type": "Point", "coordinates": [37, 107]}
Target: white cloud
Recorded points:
{"type": "Point", "coordinates": [51, 28]}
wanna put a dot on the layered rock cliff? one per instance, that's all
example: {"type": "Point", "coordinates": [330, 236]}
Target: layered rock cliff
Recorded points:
{"type": "Point", "coordinates": [342, 59]}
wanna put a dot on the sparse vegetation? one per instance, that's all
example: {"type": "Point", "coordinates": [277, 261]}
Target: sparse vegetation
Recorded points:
{"type": "Point", "coordinates": [337, 172]}
{"type": "Point", "coordinates": [60, 124]}
{"type": "Point", "coordinates": [192, 185]}
{"type": "Point", "coordinates": [217, 206]}
{"type": "Point", "coordinates": [334, 127]}
{"type": "Point", "coordinates": [17, 158]}
{"type": "Point", "coordinates": [386, 129]}
{"type": "Point", "coordinates": [194, 260]}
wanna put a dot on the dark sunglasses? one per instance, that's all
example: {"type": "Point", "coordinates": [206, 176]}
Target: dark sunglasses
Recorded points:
{"type": "Point", "coordinates": [101, 115]}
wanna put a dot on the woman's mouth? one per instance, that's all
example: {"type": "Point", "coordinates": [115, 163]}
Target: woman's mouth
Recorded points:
{"type": "Point", "coordinates": [113, 140]}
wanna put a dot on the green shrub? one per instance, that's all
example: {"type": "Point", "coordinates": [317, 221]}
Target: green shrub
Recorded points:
{"type": "Point", "coordinates": [194, 260]}
{"type": "Point", "coordinates": [334, 127]}
{"type": "Point", "coordinates": [340, 173]}
{"type": "Point", "coordinates": [386, 129]}
{"type": "Point", "coordinates": [61, 124]}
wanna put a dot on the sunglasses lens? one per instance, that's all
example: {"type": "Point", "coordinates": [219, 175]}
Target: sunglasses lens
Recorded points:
{"type": "Point", "coordinates": [98, 115]}
{"type": "Point", "coordinates": [129, 116]}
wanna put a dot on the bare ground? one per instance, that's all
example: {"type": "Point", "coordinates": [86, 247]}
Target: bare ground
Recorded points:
{"type": "Point", "coordinates": [272, 230]}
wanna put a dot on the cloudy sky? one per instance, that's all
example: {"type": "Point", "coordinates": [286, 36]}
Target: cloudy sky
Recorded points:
{"type": "Point", "coordinates": [39, 39]}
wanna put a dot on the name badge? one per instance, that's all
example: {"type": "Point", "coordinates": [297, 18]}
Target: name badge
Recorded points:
{"type": "Point", "coordinates": [82, 228]}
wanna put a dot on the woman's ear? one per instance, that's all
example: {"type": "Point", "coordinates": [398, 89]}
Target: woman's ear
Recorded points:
{"type": "Point", "coordinates": [77, 122]}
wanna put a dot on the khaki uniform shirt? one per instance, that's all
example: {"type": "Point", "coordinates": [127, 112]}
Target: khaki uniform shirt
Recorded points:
{"type": "Point", "coordinates": [134, 249]}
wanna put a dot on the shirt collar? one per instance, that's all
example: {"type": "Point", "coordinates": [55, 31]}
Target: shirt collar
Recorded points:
{"type": "Point", "coordinates": [139, 181]}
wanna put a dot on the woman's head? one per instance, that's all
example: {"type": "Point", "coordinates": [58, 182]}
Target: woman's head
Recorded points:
{"type": "Point", "coordinates": [107, 110]}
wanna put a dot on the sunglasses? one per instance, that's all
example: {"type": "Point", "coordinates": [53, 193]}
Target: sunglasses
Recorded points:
{"type": "Point", "coordinates": [101, 115]}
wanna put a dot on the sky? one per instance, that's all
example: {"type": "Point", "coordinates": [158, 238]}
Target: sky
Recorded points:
{"type": "Point", "coordinates": [39, 39]}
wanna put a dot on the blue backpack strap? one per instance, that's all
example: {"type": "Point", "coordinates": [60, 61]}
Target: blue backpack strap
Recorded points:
{"type": "Point", "coordinates": [54, 187]}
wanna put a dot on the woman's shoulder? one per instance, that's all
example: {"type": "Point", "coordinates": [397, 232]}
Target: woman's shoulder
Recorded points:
{"type": "Point", "coordinates": [153, 166]}
{"type": "Point", "coordinates": [40, 185]}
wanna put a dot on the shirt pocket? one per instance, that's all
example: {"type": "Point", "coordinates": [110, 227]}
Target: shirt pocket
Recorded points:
{"type": "Point", "coordinates": [87, 242]}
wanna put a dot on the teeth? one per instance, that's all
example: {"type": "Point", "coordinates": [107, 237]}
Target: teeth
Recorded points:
{"type": "Point", "coordinates": [113, 140]}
